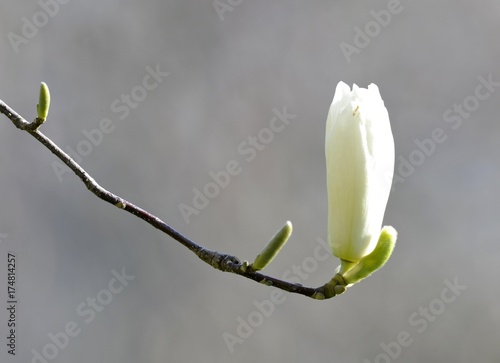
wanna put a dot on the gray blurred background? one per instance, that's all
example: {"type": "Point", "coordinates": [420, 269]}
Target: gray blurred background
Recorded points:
{"type": "Point", "coordinates": [228, 70]}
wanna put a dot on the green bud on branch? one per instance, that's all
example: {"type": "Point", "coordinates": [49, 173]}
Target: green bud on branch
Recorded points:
{"type": "Point", "coordinates": [375, 260]}
{"type": "Point", "coordinates": [272, 248]}
{"type": "Point", "coordinates": [43, 105]}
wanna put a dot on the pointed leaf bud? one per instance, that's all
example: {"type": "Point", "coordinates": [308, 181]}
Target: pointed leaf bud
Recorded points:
{"type": "Point", "coordinates": [375, 260]}
{"type": "Point", "coordinates": [272, 248]}
{"type": "Point", "coordinates": [43, 102]}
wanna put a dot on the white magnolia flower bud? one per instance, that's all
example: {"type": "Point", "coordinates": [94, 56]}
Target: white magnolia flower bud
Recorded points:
{"type": "Point", "coordinates": [359, 168]}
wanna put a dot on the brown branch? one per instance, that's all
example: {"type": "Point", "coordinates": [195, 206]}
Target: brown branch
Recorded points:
{"type": "Point", "coordinates": [220, 261]}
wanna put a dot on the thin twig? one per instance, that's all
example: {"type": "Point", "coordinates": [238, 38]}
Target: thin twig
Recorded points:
{"type": "Point", "coordinates": [220, 261]}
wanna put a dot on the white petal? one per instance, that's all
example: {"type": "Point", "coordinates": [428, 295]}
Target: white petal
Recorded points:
{"type": "Point", "coordinates": [359, 153]}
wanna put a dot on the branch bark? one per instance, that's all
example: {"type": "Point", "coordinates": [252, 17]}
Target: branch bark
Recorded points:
{"type": "Point", "coordinates": [219, 261]}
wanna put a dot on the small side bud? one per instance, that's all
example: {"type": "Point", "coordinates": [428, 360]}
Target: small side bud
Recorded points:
{"type": "Point", "coordinates": [272, 248]}
{"type": "Point", "coordinates": [43, 105]}
{"type": "Point", "coordinates": [375, 260]}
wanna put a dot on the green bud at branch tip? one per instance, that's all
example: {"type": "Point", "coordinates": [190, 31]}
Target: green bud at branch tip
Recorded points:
{"type": "Point", "coordinates": [43, 105]}
{"type": "Point", "coordinates": [272, 248]}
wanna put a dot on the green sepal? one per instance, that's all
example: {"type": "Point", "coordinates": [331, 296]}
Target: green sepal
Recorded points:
{"type": "Point", "coordinates": [43, 105]}
{"type": "Point", "coordinates": [375, 260]}
{"type": "Point", "coordinates": [272, 248]}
